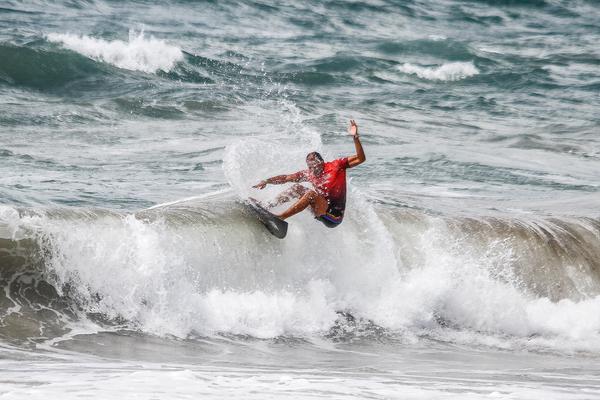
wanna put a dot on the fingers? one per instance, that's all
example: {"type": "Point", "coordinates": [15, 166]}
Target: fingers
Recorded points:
{"type": "Point", "coordinates": [353, 128]}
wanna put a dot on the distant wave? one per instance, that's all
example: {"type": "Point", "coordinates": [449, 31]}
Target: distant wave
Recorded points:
{"type": "Point", "coordinates": [140, 53]}
{"type": "Point", "coordinates": [453, 71]}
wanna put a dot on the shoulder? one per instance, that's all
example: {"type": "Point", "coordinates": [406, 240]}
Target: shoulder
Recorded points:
{"type": "Point", "coordinates": [340, 163]}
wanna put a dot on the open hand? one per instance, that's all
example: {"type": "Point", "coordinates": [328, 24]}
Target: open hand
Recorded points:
{"type": "Point", "coordinates": [260, 185]}
{"type": "Point", "coordinates": [353, 129]}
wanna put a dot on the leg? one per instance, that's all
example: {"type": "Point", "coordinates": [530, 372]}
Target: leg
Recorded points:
{"type": "Point", "coordinates": [294, 192]}
{"type": "Point", "coordinates": [310, 198]}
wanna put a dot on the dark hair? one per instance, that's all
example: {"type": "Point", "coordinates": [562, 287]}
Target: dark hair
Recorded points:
{"type": "Point", "coordinates": [315, 155]}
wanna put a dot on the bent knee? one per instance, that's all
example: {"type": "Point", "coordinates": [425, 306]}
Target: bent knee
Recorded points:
{"type": "Point", "coordinates": [310, 194]}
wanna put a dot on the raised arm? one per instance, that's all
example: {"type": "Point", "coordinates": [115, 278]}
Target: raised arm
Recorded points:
{"type": "Point", "coordinates": [299, 176]}
{"type": "Point", "coordinates": [359, 158]}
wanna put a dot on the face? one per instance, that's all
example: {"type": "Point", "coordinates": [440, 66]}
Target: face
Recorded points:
{"type": "Point", "coordinates": [314, 165]}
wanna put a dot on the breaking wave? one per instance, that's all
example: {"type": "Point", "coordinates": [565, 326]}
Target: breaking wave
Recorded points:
{"type": "Point", "coordinates": [453, 71]}
{"type": "Point", "coordinates": [204, 266]}
{"type": "Point", "coordinates": [140, 53]}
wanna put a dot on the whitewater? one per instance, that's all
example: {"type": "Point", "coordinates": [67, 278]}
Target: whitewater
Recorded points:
{"type": "Point", "coordinates": [468, 263]}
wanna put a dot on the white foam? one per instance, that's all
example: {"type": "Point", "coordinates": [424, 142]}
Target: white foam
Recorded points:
{"type": "Point", "coordinates": [210, 277]}
{"type": "Point", "coordinates": [118, 380]}
{"type": "Point", "coordinates": [140, 53]}
{"type": "Point", "coordinates": [453, 71]}
{"type": "Point", "coordinates": [186, 280]}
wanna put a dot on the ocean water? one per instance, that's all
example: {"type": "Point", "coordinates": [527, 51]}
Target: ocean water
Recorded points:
{"type": "Point", "coordinates": [468, 264]}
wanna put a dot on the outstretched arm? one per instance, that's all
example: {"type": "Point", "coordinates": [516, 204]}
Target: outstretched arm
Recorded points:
{"type": "Point", "coordinates": [359, 158]}
{"type": "Point", "coordinates": [299, 176]}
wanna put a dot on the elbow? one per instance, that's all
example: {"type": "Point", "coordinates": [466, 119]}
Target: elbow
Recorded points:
{"type": "Point", "coordinates": [359, 161]}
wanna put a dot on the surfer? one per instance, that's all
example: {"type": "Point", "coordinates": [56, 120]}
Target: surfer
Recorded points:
{"type": "Point", "coordinates": [327, 199]}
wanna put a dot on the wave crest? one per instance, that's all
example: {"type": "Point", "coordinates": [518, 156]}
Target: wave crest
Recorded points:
{"type": "Point", "coordinates": [140, 53]}
{"type": "Point", "coordinates": [453, 71]}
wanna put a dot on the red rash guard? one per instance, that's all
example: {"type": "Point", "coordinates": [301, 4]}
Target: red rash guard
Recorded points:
{"type": "Point", "coordinates": [331, 184]}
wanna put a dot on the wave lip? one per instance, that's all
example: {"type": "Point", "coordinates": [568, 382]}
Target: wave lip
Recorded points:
{"type": "Point", "coordinates": [140, 53]}
{"type": "Point", "coordinates": [453, 71]}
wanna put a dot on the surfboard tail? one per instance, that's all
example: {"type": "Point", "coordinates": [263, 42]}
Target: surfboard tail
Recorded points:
{"type": "Point", "coordinates": [275, 225]}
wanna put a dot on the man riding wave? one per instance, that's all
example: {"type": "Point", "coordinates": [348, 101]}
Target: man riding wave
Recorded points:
{"type": "Point", "coordinates": [327, 199]}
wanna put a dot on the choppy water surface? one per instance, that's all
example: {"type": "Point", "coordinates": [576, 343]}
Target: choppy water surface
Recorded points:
{"type": "Point", "coordinates": [468, 265]}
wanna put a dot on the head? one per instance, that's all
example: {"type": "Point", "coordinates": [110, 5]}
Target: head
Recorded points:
{"type": "Point", "coordinates": [315, 162]}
